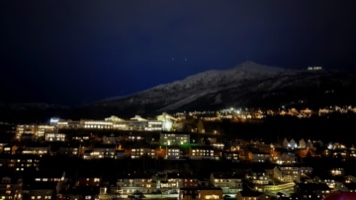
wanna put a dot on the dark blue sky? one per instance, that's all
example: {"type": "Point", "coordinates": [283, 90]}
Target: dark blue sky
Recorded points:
{"type": "Point", "coordinates": [79, 51]}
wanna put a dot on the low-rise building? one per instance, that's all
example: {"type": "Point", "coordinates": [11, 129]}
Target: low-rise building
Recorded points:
{"type": "Point", "coordinates": [199, 193]}
{"type": "Point", "coordinates": [231, 183]}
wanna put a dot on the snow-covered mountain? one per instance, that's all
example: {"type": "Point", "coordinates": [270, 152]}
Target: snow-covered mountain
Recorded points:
{"type": "Point", "coordinates": [246, 85]}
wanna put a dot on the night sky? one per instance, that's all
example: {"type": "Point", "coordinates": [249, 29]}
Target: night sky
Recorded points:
{"type": "Point", "coordinates": [79, 51]}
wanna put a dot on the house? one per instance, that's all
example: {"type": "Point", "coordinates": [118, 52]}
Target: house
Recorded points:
{"type": "Point", "coordinates": [48, 176]}
{"type": "Point", "coordinates": [69, 150]}
{"type": "Point", "coordinates": [87, 192]}
{"type": "Point", "coordinates": [132, 182]}
{"type": "Point", "coordinates": [302, 144]}
{"type": "Point", "coordinates": [173, 153]}
{"type": "Point", "coordinates": [88, 180]}
{"type": "Point", "coordinates": [312, 190]}
{"type": "Point", "coordinates": [189, 181]}
{"type": "Point", "coordinates": [172, 182]}
{"type": "Point", "coordinates": [352, 152]}
{"type": "Point", "coordinates": [234, 156]}
{"type": "Point", "coordinates": [257, 177]}
{"type": "Point", "coordinates": [40, 191]}
{"type": "Point", "coordinates": [251, 195]}
{"type": "Point", "coordinates": [140, 152]}
{"type": "Point", "coordinates": [28, 137]}
{"type": "Point", "coordinates": [290, 144]}
{"type": "Point", "coordinates": [101, 151]}
{"type": "Point", "coordinates": [8, 149]}
{"type": "Point", "coordinates": [258, 156]}
{"type": "Point", "coordinates": [350, 179]}
{"type": "Point", "coordinates": [286, 174]}
{"type": "Point", "coordinates": [10, 186]}
{"type": "Point", "coordinates": [230, 182]}
{"type": "Point", "coordinates": [305, 171]}
{"type": "Point", "coordinates": [19, 162]}
{"type": "Point", "coordinates": [284, 158]}
{"type": "Point", "coordinates": [200, 193]}
{"type": "Point", "coordinates": [337, 171]}
{"type": "Point", "coordinates": [55, 137]}
{"type": "Point", "coordinates": [111, 139]}
{"type": "Point", "coordinates": [340, 153]}
{"type": "Point", "coordinates": [34, 149]}
{"type": "Point", "coordinates": [203, 152]}
{"type": "Point", "coordinates": [174, 139]}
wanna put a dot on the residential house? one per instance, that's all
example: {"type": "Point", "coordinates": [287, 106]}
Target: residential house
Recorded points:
{"type": "Point", "coordinates": [86, 192]}
{"type": "Point", "coordinates": [101, 151]}
{"type": "Point", "coordinates": [257, 176]}
{"type": "Point", "coordinates": [191, 181]}
{"type": "Point", "coordinates": [28, 137]}
{"type": "Point", "coordinates": [203, 152]}
{"type": "Point", "coordinates": [40, 191]}
{"type": "Point", "coordinates": [173, 153]}
{"type": "Point", "coordinates": [289, 144]}
{"type": "Point", "coordinates": [312, 190]}
{"type": "Point", "coordinates": [286, 174]}
{"type": "Point", "coordinates": [251, 195]}
{"type": "Point", "coordinates": [88, 180]}
{"type": "Point", "coordinates": [172, 182]}
{"type": "Point", "coordinates": [350, 179]}
{"type": "Point", "coordinates": [19, 162]}
{"type": "Point", "coordinates": [259, 156]}
{"type": "Point", "coordinates": [352, 152]}
{"type": "Point", "coordinates": [140, 152]}
{"type": "Point", "coordinates": [174, 139]}
{"type": "Point", "coordinates": [230, 182]}
{"type": "Point", "coordinates": [331, 180]}
{"type": "Point", "coordinates": [129, 183]}
{"type": "Point", "coordinates": [302, 144]}
{"type": "Point", "coordinates": [305, 171]}
{"type": "Point", "coordinates": [34, 149]}
{"type": "Point", "coordinates": [70, 150]}
{"type": "Point", "coordinates": [10, 186]}
{"type": "Point", "coordinates": [200, 193]}
{"type": "Point", "coordinates": [234, 156]}
{"type": "Point", "coordinates": [111, 139]}
{"type": "Point", "coordinates": [48, 176]}
{"type": "Point", "coordinates": [284, 158]}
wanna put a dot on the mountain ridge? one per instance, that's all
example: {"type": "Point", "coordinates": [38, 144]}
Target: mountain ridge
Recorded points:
{"type": "Point", "coordinates": [219, 88]}
{"type": "Point", "coordinates": [248, 84]}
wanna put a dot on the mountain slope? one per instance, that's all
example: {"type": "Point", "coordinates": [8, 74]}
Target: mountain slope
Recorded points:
{"type": "Point", "coordinates": [248, 84]}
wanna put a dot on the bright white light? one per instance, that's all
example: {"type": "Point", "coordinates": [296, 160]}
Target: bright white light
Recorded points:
{"type": "Point", "coordinates": [54, 120]}
{"type": "Point", "coordinates": [167, 125]}
{"type": "Point", "coordinates": [330, 146]}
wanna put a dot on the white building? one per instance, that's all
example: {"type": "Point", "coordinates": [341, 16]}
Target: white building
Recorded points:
{"type": "Point", "coordinates": [174, 139]}
{"type": "Point", "coordinates": [55, 137]}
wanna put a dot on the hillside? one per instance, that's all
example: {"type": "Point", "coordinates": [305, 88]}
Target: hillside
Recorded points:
{"type": "Point", "coordinates": [246, 85]}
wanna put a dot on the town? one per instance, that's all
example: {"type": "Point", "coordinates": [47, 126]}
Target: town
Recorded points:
{"type": "Point", "coordinates": [172, 156]}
